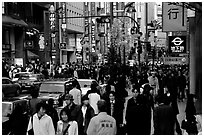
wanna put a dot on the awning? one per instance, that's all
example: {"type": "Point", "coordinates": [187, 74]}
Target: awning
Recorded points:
{"type": "Point", "coordinates": [7, 20]}
{"type": "Point", "coordinates": [31, 54]}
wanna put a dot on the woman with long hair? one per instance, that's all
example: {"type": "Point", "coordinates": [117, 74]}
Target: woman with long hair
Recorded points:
{"type": "Point", "coordinates": [66, 126]}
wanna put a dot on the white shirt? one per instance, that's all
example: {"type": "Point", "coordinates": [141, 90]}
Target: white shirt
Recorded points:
{"type": "Point", "coordinates": [43, 126]}
{"type": "Point", "coordinates": [83, 109]}
{"type": "Point", "coordinates": [102, 124]}
{"type": "Point", "coordinates": [72, 130]}
{"type": "Point", "coordinates": [93, 99]}
{"type": "Point", "coordinates": [76, 93]}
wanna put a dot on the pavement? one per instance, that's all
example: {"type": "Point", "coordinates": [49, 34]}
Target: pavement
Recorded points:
{"type": "Point", "coordinates": [180, 116]}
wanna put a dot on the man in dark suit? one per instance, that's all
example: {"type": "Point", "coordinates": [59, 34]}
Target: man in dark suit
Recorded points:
{"type": "Point", "coordinates": [164, 120]}
{"type": "Point", "coordinates": [83, 114]}
{"type": "Point", "coordinates": [115, 109]}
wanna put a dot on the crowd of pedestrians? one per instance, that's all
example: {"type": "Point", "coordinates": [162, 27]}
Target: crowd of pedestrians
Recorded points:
{"type": "Point", "coordinates": [155, 94]}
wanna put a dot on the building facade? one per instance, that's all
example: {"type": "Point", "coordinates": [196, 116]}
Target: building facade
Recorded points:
{"type": "Point", "coordinates": [70, 30]}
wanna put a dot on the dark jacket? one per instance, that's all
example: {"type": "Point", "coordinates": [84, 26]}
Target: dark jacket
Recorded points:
{"type": "Point", "coordinates": [118, 108]}
{"type": "Point", "coordinates": [164, 120]}
{"type": "Point", "coordinates": [79, 118]}
{"type": "Point", "coordinates": [52, 112]}
{"type": "Point", "coordinates": [71, 110]}
{"type": "Point", "coordinates": [137, 117]}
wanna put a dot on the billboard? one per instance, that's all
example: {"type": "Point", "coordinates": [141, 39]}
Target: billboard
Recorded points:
{"type": "Point", "coordinates": [174, 16]}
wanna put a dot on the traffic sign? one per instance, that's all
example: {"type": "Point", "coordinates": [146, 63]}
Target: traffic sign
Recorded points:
{"type": "Point", "coordinates": [177, 44]}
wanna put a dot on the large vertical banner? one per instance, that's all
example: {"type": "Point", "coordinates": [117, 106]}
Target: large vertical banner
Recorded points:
{"type": "Point", "coordinates": [174, 16]}
{"type": "Point", "coordinates": [93, 10]}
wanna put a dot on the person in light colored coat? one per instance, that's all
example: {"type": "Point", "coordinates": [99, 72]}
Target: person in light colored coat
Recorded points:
{"type": "Point", "coordinates": [42, 123]}
{"type": "Point", "coordinates": [102, 124]}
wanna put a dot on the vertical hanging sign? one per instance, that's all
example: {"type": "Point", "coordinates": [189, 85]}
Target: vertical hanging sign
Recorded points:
{"type": "Point", "coordinates": [92, 25]}
{"type": "Point", "coordinates": [174, 16]}
{"type": "Point", "coordinates": [64, 23]}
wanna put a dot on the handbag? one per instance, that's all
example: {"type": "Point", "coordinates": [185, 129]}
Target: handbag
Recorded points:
{"type": "Point", "coordinates": [31, 132]}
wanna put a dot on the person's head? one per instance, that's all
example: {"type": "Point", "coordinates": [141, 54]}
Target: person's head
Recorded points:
{"type": "Point", "coordinates": [50, 102]}
{"type": "Point", "coordinates": [93, 85]}
{"type": "Point", "coordinates": [68, 99]}
{"type": "Point", "coordinates": [153, 74]}
{"type": "Point", "coordinates": [34, 91]}
{"type": "Point", "coordinates": [102, 106]}
{"type": "Point", "coordinates": [74, 84]}
{"type": "Point", "coordinates": [147, 89]}
{"type": "Point", "coordinates": [41, 108]}
{"type": "Point", "coordinates": [135, 93]}
{"type": "Point", "coordinates": [85, 100]}
{"type": "Point", "coordinates": [65, 116]}
{"type": "Point", "coordinates": [112, 95]}
{"type": "Point", "coordinates": [108, 88]}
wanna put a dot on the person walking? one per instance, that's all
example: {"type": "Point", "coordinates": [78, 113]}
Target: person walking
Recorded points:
{"type": "Point", "coordinates": [66, 126]}
{"type": "Point", "coordinates": [40, 122]}
{"type": "Point", "coordinates": [163, 116]}
{"type": "Point", "coordinates": [181, 85]}
{"type": "Point", "coordinates": [52, 112]}
{"type": "Point", "coordinates": [70, 105]}
{"type": "Point", "coordinates": [94, 97]}
{"type": "Point", "coordinates": [153, 81]}
{"type": "Point", "coordinates": [76, 93]}
{"type": "Point", "coordinates": [83, 114]}
{"type": "Point", "coordinates": [102, 124]}
{"type": "Point", "coordinates": [115, 109]}
{"type": "Point", "coordinates": [34, 101]}
{"type": "Point", "coordinates": [137, 115]}
{"type": "Point", "coordinates": [18, 117]}
{"type": "Point", "coordinates": [172, 89]}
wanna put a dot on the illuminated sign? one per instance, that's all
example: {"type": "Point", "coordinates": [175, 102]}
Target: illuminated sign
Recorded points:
{"type": "Point", "coordinates": [177, 44]}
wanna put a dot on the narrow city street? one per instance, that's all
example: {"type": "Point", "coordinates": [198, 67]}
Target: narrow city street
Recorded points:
{"type": "Point", "coordinates": [101, 68]}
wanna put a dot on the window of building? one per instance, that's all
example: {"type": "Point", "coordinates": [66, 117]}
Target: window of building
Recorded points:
{"type": "Point", "coordinates": [6, 36]}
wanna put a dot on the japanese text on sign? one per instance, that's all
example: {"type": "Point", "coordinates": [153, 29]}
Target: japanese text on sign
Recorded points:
{"type": "Point", "coordinates": [174, 17]}
{"type": "Point", "coordinates": [177, 44]}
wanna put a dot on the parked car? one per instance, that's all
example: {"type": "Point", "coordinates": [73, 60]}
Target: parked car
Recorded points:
{"type": "Point", "coordinates": [10, 88]}
{"type": "Point", "coordinates": [55, 89]}
{"type": "Point", "coordinates": [8, 106]}
{"type": "Point", "coordinates": [27, 80]}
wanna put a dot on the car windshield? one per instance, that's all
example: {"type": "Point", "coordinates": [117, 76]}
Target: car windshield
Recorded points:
{"type": "Point", "coordinates": [52, 88]}
{"type": "Point", "coordinates": [85, 84]}
{"type": "Point", "coordinates": [6, 109]}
